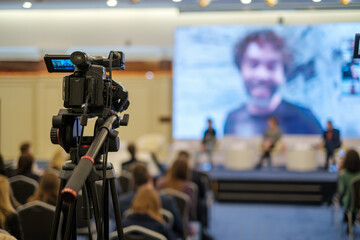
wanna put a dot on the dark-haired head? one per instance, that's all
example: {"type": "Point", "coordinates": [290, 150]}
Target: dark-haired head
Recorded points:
{"type": "Point", "coordinates": [183, 155]}
{"type": "Point", "coordinates": [132, 149]}
{"type": "Point", "coordinates": [263, 38]}
{"type": "Point", "coordinates": [180, 170]}
{"type": "Point", "coordinates": [140, 174]}
{"type": "Point", "coordinates": [352, 161]}
{"type": "Point", "coordinates": [25, 148]}
{"type": "Point", "coordinates": [25, 164]}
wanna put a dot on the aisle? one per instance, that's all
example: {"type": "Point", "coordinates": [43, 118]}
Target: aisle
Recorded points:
{"type": "Point", "coordinates": [272, 222]}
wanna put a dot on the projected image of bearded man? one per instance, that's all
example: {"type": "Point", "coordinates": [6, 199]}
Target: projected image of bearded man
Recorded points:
{"type": "Point", "coordinates": [264, 62]}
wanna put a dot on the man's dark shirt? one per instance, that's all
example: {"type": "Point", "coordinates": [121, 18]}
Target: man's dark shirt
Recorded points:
{"type": "Point", "coordinates": [333, 141]}
{"type": "Point", "coordinates": [209, 136]}
{"type": "Point", "coordinates": [292, 119]}
{"type": "Point", "coordinates": [167, 202]}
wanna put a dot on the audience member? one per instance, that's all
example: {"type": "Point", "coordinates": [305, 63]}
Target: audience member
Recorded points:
{"type": "Point", "coordinates": [146, 213]}
{"type": "Point", "coordinates": [141, 178]}
{"type": "Point", "coordinates": [48, 189]}
{"type": "Point", "coordinates": [9, 220]}
{"type": "Point", "coordinates": [4, 172]}
{"type": "Point", "coordinates": [6, 236]}
{"type": "Point", "coordinates": [178, 178]}
{"type": "Point", "coordinates": [2, 166]}
{"type": "Point", "coordinates": [202, 210]}
{"type": "Point", "coordinates": [331, 141]}
{"type": "Point", "coordinates": [25, 164]}
{"type": "Point", "coordinates": [57, 160]}
{"type": "Point", "coordinates": [47, 192]}
{"type": "Point", "coordinates": [26, 149]}
{"type": "Point", "coordinates": [271, 136]}
{"type": "Point", "coordinates": [194, 174]}
{"type": "Point", "coordinates": [350, 171]}
{"type": "Point", "coordinates": [132, 150]}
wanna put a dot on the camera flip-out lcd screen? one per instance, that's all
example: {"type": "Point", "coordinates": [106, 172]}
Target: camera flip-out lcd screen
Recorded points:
{"type": "Point", "coordinates": [59, 63]}
{"type": "Point", "coordinates": [62, 64]}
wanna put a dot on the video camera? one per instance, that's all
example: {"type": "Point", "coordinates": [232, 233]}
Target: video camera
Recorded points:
{"type": "Point", "coordinates": [88, 92]}
{"type": "Point", "coordinates": [89, 84]}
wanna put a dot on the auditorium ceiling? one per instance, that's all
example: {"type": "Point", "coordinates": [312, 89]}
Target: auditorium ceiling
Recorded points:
{"type": "Point", "coordinates": [189, 5]}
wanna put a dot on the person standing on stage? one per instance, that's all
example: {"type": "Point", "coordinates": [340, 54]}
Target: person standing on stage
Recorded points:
{"type": "Point", "coordinates": [331, 142]}
{"type": "Point", "coordinates": [271, 136]}
{"type": "Point", "coordinates": [209, 141]}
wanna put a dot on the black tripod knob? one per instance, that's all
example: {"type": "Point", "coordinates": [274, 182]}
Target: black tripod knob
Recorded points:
{"type": "Point", "coordinates": [54, 135]}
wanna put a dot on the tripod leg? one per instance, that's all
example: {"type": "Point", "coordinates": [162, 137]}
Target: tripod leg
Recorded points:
{"type": "Point", "coordinates": [55, 225]}
{"type": "Point", "coordinates": [116, 209]}
{"type": "Point", "coordinates": [106, 210]}
{"type": "Point", "coordinates": [93, 195]}
{"type": "Point", "coordinates": [70, 225]}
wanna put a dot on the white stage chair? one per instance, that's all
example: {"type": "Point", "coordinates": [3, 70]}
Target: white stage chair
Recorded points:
{"type": "Point", "coordinates": [301, 158]}
{"type": "Point", "coordinates": [239, 157]}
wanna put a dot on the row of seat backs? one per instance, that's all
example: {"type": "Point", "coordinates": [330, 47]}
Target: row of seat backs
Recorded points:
{"type": "Point", "coordinates": [135, 232]}
{"type": "Point", "coordinates": [36, 220]}
{"type": "Point", "coordinates": [23, 187]}
{"type": "Point", "coordinates": [167, 215]}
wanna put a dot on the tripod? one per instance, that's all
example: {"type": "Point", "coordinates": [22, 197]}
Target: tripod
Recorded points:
{"type": "Point", "coordinates": [83, 176]}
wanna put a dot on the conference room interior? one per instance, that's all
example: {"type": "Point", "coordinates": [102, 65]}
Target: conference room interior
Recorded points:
{"type": "Point", "coordinates": [185, 64]}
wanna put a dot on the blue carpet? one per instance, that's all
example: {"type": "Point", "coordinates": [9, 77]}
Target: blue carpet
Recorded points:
{"type": "Point", "coordinates": [234, 221]}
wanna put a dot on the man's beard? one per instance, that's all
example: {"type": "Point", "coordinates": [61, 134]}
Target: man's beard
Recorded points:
{"type": "Point", "coordinates": [261, 101]}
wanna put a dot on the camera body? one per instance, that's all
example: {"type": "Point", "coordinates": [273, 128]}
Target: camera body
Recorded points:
{"type": "Point", "coordinates": [78, 86]}
{"type": "Point", "coordinates": [89, 86]}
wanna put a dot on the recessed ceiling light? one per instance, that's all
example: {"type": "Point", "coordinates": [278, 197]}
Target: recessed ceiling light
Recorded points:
{"type": "Point", "coordinates": [316, 0]}
{"type": "Point", "coordinates": [111, 3]}
{"type": "Point", "coordinates": [27, 5]}
{"type": "Point", "coordinates": [345, 2]}
{"type": "Point", "coordinates": [245, 1]}
{"type": "Point", "coordinates": [176, 0]}
{"type": "Point", "coordinates": [271, 3]}
{"type": "Point", "coordinates": [204, 3]}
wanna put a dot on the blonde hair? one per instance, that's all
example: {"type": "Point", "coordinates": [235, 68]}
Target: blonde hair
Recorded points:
{"type": "Point", "coordinates": [147, 201]}
{"type": "Point", "coordinates": [58, 159]}
{"type": "Point", "coordinates": [48, 189]}
{"type": "Point", "coordinates": [5, 203]}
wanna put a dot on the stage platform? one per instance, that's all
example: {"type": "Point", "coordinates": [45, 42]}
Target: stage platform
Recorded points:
{"type": "Point", "coordinates": [273, 186]}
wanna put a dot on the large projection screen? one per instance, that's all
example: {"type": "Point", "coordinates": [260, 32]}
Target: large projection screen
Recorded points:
{"type": "Point", "coordinates": [310, 71]}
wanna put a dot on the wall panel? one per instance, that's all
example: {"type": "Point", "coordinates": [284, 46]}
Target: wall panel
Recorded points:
{"type": "Point", "coordinates": [28, 104]}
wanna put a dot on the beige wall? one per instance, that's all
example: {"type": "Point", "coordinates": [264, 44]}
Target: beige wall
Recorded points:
{"type": "Point", "coordinates": [29, 102]}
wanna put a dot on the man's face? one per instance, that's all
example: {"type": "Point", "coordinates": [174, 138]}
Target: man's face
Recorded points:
{"type": "Point", "coordinates": [263, 72]}
{"type": "Point", "coordinates": [329, 126]}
